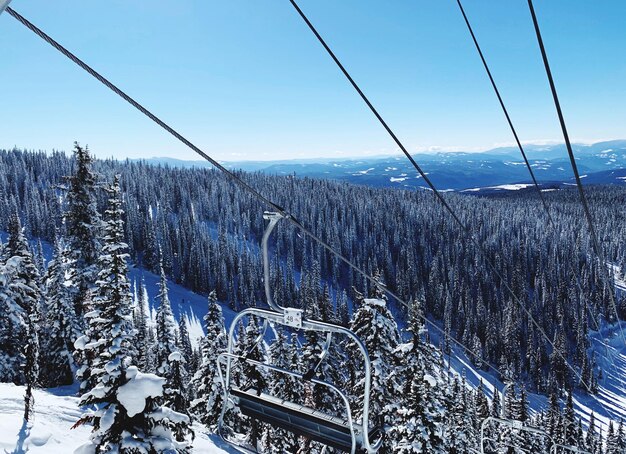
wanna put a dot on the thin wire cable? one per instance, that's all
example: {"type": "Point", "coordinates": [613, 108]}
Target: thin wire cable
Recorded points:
{"type": "Point", "coordinates": [440, 197]}
{"type": "Point", "coordinates": [579, 184]}
{"type": "Point", "coordinates": [506, 112]}
{"type": "Point", "coordinates": [276, 207]}
{"type": "Point", "coordinates": [521, 149]}
{"type": "Point", "coordinates": [236, 179]}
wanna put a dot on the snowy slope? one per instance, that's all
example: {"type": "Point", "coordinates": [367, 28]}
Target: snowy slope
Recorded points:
{"type": "Point", "coordinates": [184, 302]}
{"type": "Point", "coordinates": [50, 431]}
{"type": "Point", "coordinates": [609, 403]}
{"type": "Point", "coordinates": [610, 351]}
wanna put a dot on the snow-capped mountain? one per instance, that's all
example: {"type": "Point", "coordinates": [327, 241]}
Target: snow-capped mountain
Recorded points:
{"type": "Point", "coordinates": [602, 162]}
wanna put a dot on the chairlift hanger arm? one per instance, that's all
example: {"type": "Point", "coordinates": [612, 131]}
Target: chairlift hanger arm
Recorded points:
{"type": "Point", "coordinates": [273, 218]}
{"type": "Point", "coordinates": [3, 5]}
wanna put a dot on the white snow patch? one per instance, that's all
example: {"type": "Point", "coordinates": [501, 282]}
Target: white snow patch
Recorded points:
{"type": "Point", "coordinates": [505, 187]}
{"type": "Point", "coordinates": [56, 411]}
{"type": "Point", "coordinates": [141, 386]}
{"type": "Point", "coordinates": [363, 172]}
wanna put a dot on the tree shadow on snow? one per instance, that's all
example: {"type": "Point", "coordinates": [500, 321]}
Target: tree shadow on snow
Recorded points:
{"type": "Point", "coordinates": [21, 439]}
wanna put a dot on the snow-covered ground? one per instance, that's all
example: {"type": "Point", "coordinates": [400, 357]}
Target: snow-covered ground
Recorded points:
{"type": "Point", "coordinates": [608, 345]}
{"type": "Point", "coordinates": [610, 350]}
{"type": "Point", "coordinates": [50, 431]}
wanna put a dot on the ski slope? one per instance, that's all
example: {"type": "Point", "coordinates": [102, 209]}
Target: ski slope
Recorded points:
{"type": "Point", "coordinates": [50, 431]}
{"type": "Point", "coordinates": [609, 403]}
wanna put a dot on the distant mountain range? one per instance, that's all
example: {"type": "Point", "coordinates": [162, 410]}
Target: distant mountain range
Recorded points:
{"type": "Point", "coordinates": [497, 169]}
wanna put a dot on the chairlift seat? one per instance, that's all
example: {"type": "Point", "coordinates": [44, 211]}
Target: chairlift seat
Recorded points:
{"type": "Point", "coordinates": [299, 419]}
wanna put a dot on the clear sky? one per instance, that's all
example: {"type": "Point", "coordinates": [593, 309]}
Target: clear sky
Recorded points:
{"type": "Point", "coordinates": [245, 79]}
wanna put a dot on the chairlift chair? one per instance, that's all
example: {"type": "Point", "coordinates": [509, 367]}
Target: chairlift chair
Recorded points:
{"type": "Point", "coordinates": [564, 449]}
{"type": "Point", "coordinates": [513, 424]}
{"type": "Point", "coordinates": [344, 433]}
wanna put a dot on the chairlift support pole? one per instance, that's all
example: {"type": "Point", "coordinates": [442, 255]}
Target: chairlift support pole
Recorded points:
{"type": "Point", "coordinates": [3, 5]}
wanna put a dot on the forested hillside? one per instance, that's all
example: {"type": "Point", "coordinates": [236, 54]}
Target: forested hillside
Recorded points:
{"type": "Point", "coordinates": [209, 231]}
{"type": "Point", "coordinates": [197, 229]}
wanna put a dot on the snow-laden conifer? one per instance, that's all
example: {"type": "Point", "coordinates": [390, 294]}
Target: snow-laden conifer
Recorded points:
{"type": "Point", "coordinates": [109, 320]}
{"type": "Point", "coordinates": [207, 405]}
{"type": "Point", "coordinates": [82, 226]}
{"type": "Point", "coordinates": [417, 420]}
{"type": "Point", "coordinates": [61, 327]}
{"type": "Point", "coordinates": [20, 296]}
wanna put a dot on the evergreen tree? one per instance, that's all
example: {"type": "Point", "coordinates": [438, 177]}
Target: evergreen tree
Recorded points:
{"type": "Point", "coordinates": [20, 295]}
{"type": "Point", "coordinates": [249, 376]}
{"type": "Point", "coordinates": [208, 402]}
{"type": "Point", "coordinates": [283, 355]}
{"type": "Point", "coordinates": [418, 422]}
{"type": "Point", "coordinates": [82, 224]}
{"type": "Point", "coordinates": [184, 343]}
{"type": "Point", "coordinates": [127, 418]}
{"type": "Point", "coordinates": [593, 439]}
{"type": "Point", "coordinates": [60, 321]}
{"type": "Point", "coordinates": [376, 328]}
{"type": "Point", "coordinates": [140, 321]}
{"type": "Point", "coordinates": [110, 322]}
{"type": "Point", "coordinates": [110, 385]}
{"type": "Point", "coordinates": [170, 362]}
{"type": "Point", "coordinates": [621, 437]}
{"type": "Point", "coordinates": [165, 327]}
{"type": "Point", "coordinates": [460, 436]}
{"type": "Point", "coordinates": [570, 427]}
{"type": "Point", "coordinates": [612, 441]}
{"type": "Point", "coordinates": [175, 392]}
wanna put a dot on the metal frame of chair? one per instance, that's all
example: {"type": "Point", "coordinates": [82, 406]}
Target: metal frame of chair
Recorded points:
{"type": "Point", "coordinates": [349, 434]}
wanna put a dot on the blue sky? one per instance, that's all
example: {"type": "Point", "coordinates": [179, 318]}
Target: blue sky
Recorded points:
{"type": "Point", "coordinates": [245, 79]}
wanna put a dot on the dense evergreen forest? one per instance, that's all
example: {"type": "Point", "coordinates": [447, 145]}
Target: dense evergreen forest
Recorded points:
{"type": "Point", "coordinates": [195, 228]}
{"type": "Point", "coordinates": [208, 232]}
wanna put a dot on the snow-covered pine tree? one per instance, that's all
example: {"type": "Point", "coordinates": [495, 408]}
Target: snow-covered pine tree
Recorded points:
{"type": "Point", "coordinates": [176, 392]}
{"type": "Point", "coordinates": [61, 326]}
{"type": "Point", "coordinates": [165, 327]}
{"type": "Point", "coordinates": [109, 321]}
{"type": "Point", "coordinates": [126, 416]}
{"type": "Point", "coordinates": [249, 376]}
{"type": "Point", "coordinates": [82, 226]}
{"type": "Point", "coordinates": [20, 326]}
{"type": "Point", "coordinates": [621, 437]}
{"type": "Point", "coordinates": [417, 424]}
{"type": "Point", "coordinates": [140, 321]}
{"type": "Point", "coordinates": [208, 402]}
{"type": "Point", "coordinates": [593, 438]}
{"type": "Point", "coordinates": [184, 344]}
{"type": "Point", "coordinates": [569, 430]}
{"type": "Point", "coordinates": [375, 326]}
{"type": "Point", "coordinates": [612, 442]}
{"type": "Point", "coordinates": [171, 363]}
{"type": "Point", "coordinates": [125, 419]}
{"type": "Point", "coordinates": [460, 436]}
